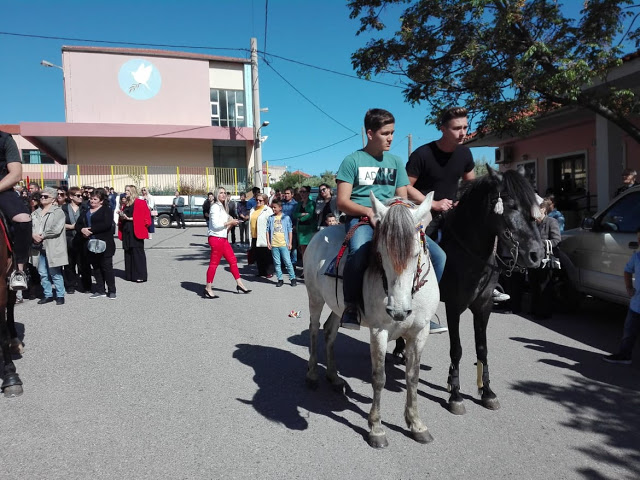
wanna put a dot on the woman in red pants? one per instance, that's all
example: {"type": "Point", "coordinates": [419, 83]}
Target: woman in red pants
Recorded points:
{"type": "Point", "coordinates": [219, 223]}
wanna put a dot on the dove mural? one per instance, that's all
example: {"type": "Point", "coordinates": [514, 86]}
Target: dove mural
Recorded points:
{"type": "Point", "coordinates": [139, 79]}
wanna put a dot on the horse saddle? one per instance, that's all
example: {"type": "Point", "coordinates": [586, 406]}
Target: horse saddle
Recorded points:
{"type": "Point", "coordinates": [332, 268]}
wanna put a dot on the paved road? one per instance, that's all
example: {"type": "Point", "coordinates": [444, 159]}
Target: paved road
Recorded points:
{"type": "Point", "coordinates": [161, 383]}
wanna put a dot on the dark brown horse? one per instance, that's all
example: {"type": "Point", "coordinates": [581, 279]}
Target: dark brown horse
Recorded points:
{"type": "Point", "coordinates": [9, 342]}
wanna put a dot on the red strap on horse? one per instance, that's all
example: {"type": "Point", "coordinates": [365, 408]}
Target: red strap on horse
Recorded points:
{"type": "Point", "coordinates": [345, 243]}
{"type": "Point", "coordinates": [5, 234]}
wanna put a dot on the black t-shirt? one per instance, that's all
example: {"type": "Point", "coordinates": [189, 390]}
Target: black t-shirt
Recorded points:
{"type": "Point", "coordinates": [8, 153]}
{"type": "Point", "coordinates": [439, 171]}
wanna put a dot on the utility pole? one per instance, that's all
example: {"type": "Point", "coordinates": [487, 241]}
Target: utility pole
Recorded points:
{"type": "Point", "coordinates": [410, 137]}
{"type": "Point", "coordinates": [257, 147]}
{"type": "Point", "coordinates": [364, 137]}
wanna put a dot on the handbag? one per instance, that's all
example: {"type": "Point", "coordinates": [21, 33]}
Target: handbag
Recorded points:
{"type": "Point", "coordinates": [154, 213]}
{"type": "Point", "coordinates": [96, 246]}
{"type": "Point", "coordinates": [550, 261]}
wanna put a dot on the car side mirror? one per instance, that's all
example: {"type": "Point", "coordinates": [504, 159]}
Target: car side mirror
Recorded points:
{"type": "Point", "coordinates": [633, 245]}
{"type": "Point", "coordinates": [588, 223]}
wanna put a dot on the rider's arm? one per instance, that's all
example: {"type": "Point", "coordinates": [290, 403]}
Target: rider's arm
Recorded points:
{"type": "Point", "coordinates": [402, 191]}
{"type": "Point", "coordinates": [13, 177]}
{"type": "Point", "coordinates": [468, 176]}
{"type": "Point", "coordinates": [415, 195]}
{"type": "Point", "coordinates": [348, 206]}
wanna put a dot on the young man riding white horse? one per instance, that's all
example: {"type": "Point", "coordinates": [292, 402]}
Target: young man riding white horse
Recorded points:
{"type": "Point", "coordinates": [372, 169]}
{"type": "Point", "coordinates": [390, 269]}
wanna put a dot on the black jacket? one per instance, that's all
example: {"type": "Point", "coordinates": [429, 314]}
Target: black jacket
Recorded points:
{"type": "Point", "coordinates": [102, 227]}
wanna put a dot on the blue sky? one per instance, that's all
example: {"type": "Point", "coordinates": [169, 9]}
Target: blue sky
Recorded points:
{"type": "Point", "coordinates": [316, 33]}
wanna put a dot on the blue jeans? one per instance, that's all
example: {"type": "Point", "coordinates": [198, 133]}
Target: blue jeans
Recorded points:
{"type": "Point", "coordinates": [357, 260]}
{"type": "Point", "coordinates": [630, 333]}
{"type": "Point", "coordinates": [48, 275]}
{"type": "Point", "coordinates": [279, 253]}
{"type": "Point", "coordinates": [438, 257]}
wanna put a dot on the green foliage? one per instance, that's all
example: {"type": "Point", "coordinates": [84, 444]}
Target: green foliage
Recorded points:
{"type": "Point", "coordinates": [292, 180]}
{"type": "Point", "coordinates": [502, 59]}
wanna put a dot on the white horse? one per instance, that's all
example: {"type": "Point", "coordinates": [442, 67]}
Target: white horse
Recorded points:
{"type": "Point", "coordinates": [400, 293]}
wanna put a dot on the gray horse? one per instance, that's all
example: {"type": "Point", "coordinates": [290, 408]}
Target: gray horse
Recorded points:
{"type": "Point", "coordinates": [400, 295]}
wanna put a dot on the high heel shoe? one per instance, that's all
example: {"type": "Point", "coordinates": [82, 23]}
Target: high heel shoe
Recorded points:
{"type": "Point", "coordinates": [206, 294]}
{"type": "Point", "coordinates": [243, 290]}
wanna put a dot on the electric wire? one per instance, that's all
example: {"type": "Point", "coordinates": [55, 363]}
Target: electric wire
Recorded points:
{"type": "Point", "coordinates": [312, 151]}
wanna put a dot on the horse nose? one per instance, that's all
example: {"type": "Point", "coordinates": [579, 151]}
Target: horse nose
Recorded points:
{"type": "Point", "coordinates": [398, 315]}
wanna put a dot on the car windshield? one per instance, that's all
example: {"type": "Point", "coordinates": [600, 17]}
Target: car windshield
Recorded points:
{"type": "Point", "coordinates": [623, 216]}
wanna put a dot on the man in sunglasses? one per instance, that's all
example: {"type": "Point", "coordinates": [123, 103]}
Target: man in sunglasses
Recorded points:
{"type": "Point", "coordinates": [14, 208]}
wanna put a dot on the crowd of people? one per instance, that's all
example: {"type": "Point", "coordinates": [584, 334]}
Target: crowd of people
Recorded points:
{"type": "Point", "coordinates": [72, 239]}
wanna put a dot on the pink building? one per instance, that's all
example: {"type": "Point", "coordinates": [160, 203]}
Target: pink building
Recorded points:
{"type": "Point", "coordinates": [150, 107]}
{"type": "Point", "coordinates": [574, 153]}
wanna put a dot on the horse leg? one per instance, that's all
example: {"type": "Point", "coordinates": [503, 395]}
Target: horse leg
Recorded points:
{"type": "Point", "coordinates": [315, 310]}
{"type": "Point", "coordinates": [480, 320]}
{"type": "Point", "coordinates": [378, 346]}
{"type": "Point", "coordinates": [330, 334]}
{"type": "Point", "coordinates": [11, 384]}
{"type": "Point", "coordinates": [398, 351]}
{"type": "Point", "coordinates": [413, 352]}
{"type": "Point", "coordinates": [15, 345]}
{"type": "Point", "coordinates": [456, 405]}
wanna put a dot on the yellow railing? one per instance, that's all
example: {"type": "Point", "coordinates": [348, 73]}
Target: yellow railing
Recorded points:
{"type": "Point", "coordinates": [156, 178]}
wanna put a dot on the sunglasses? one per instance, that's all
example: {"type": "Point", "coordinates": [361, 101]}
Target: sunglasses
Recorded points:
{"type": "Point", "coordinates": [302, 191]}
{"type": "Point", "coordinates": [260, 201]}
{"type": "Point", "coordinates": [324, 189]}
{"type": "Point", "coordinates": [61, 194]}
{"type": "Point", "coordinates": [44, 197]}
{"type": "Point", "coordinates": [79, 195]}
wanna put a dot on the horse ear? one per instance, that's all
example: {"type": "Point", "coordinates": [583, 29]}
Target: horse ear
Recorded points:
{"type": "Point", "coordinates": [424, 210]}
{"type": "Point", "coordinates": [495, 174]}
{"type": "Point", "coordinates": [378, 207]}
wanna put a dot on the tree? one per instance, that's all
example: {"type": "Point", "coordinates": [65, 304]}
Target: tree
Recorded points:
{"type": "Point", "coordinates": [505, 60]}
{"type": "Point", "coordinates": [291, 180]}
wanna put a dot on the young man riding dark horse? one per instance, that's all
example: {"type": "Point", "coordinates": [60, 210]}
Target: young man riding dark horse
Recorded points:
{"type": "Point", "coordinates": [437, 167]}
{"type": "Point", "coordinates": [371, 169]}
{"type": "Point", "coordinates": [13, 208]}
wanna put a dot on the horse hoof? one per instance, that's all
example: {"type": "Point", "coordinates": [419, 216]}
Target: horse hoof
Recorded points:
{"type": "Point", "coordinates": [457, 408]}
{"type": "Point", "coordinates": [422, 437]}
{"type": "Point", "coordinates": [378, 441]}
{"type": "Point", "coordinates": [338, 387]}
{"type": "Point", "coordinates": [312, 384]}
{"type": "Point", "coordinates": [491, 403]}
{"type": "Point", "coordinates": [13, 391]}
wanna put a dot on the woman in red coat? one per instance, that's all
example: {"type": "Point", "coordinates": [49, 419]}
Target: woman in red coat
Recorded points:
{"type": "Point", "coordinates": [133, 225]}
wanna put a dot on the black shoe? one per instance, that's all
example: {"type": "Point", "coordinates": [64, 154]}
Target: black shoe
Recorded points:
{"type": "Point", "coordinates": [206, 294]}
{"type": "Point", "coordinates": [280, 283]}
{"type": "Point", "coordinates": [70, 291]}
{"type": "Point", "coordinates": [60, 301]}
{"type": "Point", "coordinates": [243, 290]}
{"type": "Point", "coordinates": [350, 319]}
{"type": "Point", "coordinates": [294, 282]}
{"type": "Point", "coordinates": [45, 300]}
{"type": "Point", "coordinates": [617, 358]}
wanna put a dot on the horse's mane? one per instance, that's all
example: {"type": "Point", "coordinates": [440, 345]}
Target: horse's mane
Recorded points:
{"type": "Point", "coordinates": [397, 231]}
{"type": "Point", "coordinates": [479, 196]}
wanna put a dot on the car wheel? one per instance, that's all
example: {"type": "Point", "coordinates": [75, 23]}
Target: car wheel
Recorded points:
{"type": "Point", "coordinates": [164, 221]}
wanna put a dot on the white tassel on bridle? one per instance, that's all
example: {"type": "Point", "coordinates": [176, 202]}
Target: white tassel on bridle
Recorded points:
{"type": "Point", "coordinates": [499, 207]}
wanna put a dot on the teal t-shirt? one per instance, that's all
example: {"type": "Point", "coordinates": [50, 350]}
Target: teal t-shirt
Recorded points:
{"type": "Point", "coordinates": [368, 174]}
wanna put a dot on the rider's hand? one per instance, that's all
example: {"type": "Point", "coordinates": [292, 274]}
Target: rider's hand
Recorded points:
{"type": "Point", "coordinates": [442, 205]}
{"type": "Point", "coordinates": [372, 217]}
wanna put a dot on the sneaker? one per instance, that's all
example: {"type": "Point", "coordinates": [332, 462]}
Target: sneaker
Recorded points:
{"type": "Point", "coordinates": [112, 296]}
{"type": "Point", "coordinates": [280, 283]}
{"type": "Point", "coordinates": [498, 296]}
{"type": "Point", "coordinates": [294, 282]}
{"type": "Point", "coordinates": [98, 295]}
{"type": "Point", "coordinates": [18, 280]}
{"type": "Point", "coordinates": [60, 301]}
{"type": "Point", "coordinates": [617, 358]}
{"type": "Point", "coordinates": [350, 319]}
{"type": "Point", "coordinates": [437, 328]}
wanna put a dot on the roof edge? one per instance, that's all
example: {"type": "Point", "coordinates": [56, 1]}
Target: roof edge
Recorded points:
{"type": "Point", "coordinates": [153, 53]}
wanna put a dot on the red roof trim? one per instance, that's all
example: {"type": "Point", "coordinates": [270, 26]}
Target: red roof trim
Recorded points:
{"type": "Point", "coordinates": [153, 53]}
{"type": "Point", "coordinates": [11, 129]}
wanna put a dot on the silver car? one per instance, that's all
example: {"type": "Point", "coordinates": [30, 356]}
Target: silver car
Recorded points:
{"type": "Point", "coordinates": [594, 255]}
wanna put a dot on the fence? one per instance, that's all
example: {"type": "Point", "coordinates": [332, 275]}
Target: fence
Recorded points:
{"type": "Point", "coordinates": [157, 179]}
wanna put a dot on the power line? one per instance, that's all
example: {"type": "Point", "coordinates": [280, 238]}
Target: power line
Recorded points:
{"type": "Point", "coordinates": [306, 98]}
{"type": "Point", "coordinates": [114, 42]}
{"type": "Point", "coordinates": [313, 151]}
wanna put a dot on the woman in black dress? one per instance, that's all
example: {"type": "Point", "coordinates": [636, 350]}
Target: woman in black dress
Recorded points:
{"type": "Point", "coordinates": [135, 219]}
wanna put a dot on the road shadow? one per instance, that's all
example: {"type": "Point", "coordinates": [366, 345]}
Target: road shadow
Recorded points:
{"type": "Point", "coordinates": [586, 363]}
{"type": "Point", "coordinates": [282, 394]}
{"type": "Point", "coordinates": [605, 410]}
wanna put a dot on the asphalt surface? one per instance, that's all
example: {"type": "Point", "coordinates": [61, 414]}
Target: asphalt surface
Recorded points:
{"type": "Point", "coordinates": [161, 383]}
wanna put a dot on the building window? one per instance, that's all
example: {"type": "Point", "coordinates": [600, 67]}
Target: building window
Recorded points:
{"type": "Point", "coordinates": [570, 175]}
{"type": "Point", "coordinates": [35, 157]}
{"type": "Point", "coordinates": [227, 108]}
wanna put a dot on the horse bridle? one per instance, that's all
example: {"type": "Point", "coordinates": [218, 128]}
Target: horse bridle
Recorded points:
{"type": "Point", "coordinates": [418, 282]}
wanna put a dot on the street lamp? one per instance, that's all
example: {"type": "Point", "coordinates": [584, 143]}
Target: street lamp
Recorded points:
{"type": "Point", "coordinates": [44, 63]}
